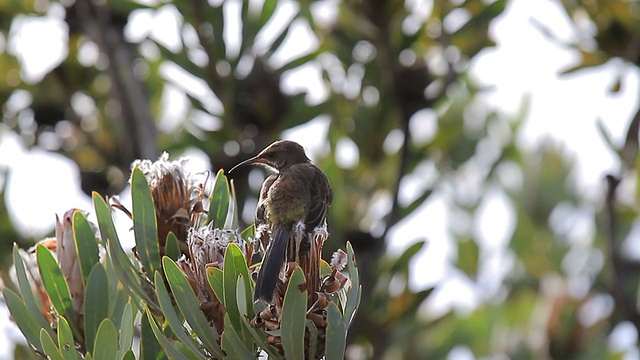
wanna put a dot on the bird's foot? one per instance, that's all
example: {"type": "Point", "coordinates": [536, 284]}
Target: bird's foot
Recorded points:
{"type": "Point", "coordinates": [298, 236]}
{"type": "Point", "coordinates": [321, 231]}
{"type": "Point", "coordinates": [298, 229]}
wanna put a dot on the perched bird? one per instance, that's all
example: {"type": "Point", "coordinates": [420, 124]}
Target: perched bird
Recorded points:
{"type": "Point", "coordinates": [293, 203]}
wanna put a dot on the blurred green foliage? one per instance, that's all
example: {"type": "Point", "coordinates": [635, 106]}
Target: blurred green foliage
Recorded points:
{"type": "Point", "coordinates": [395, 85]}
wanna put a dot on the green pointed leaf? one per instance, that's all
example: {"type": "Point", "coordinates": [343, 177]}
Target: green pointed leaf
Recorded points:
{"type": "Point", "coordinates": [243, 303]}
{"type": "Point", "coordinates": [86, 244]}
{"type": "Point", "coordinates": [313, 339]}
{"type": "Point", "coordinates": [96, 304]}
{"type": "Point", "coordinates": [241, 295]}
{"type": "Point", "coordinates": [325, 268]}
{"type": "Point", "coordinates": [33, 306]}
{"type": "Point", "coordinates": [248, 232]}
{"type": "Point", "coordinates": [166, 345]}
{"type": "Point", "coordinates": [216, 280]}
{"type": "Point", "coordinates": [65, 340]}
{"type": "Point", "coordinates": [406, 210]}
{"type": "Point", "coordinates": [125, 7]}
{"type": "Point", "coordinates": [127, 330]}
{"type": "Point", "coordinates": [106, 343]}
{"type": "Point", "coordinates": [105, 223]}
{"type": "Point", "coordinates": [172, 318]}
{"type": "Point", "coordinates": [219, 200]}
{"type": "Point", "coordinates": [231, 343]}
{"type": "Point", "coordinates": [468, 257]}
{"type": "Point", "coordinates": [49, 346]}
{"type": "Point", "coordinates": [129, 355]}
{"type": "Point", "coordinates": [144, 223]}
{"type": "Point", "coordinates": [197, 104]}
{"type": "Point", "coordinates": [231, 222]}
{"type": "Point", "coordinates": [402, 262]}
{"type": "Point", "coordinates": [117, 304]}
{"type": "Point", "coordinates": [23, 318]}
{"type": "Point", "coordinates": [268, 8]}
{"type": "Point", "coordinates": [172, 247]}
{"type": "Point", "coordinates": [118, 296]}
{"type": "Point", "coordinates": [280, 39]}
{"type": "Point", "coordinates": [152, 342]}
{"type": "Point", "coordinates": [300, 61]}
{"type": "Point", "coordinates": [336, 334]}
{"type": "Point", "coordinates": [235, 270]}
{"type": "Point", "coordinates": [56, 286]}
{"type": "Point", "coordinates": [122, 266]}
{"type": "Point", "coordinates": [606, 135]}
{"type": "Point", "coordinates": [355, 291]}
{"type": "Point", "coordinates": [470, 38]}
{"type": "Point", "coordinates": [181, 59]}
{"type": "Point", "coordinates": [189, 306]}
{"type": "Point", "coordinates": [294, 309]}
{"type": "Point", "coordinates": [235, 267]}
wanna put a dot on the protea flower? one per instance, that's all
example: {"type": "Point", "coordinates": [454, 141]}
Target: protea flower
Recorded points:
{"type": "Point", "coordinates": [207, 246]}
{"type": "Point", "coordinates": [178, 196]}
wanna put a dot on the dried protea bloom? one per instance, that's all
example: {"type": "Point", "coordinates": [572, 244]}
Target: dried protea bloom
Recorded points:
{"type": "Point", "coordinates": [336, 280]}
{"type": "Point", "coordinates": [178, 196]}
{"type": "Point", "coordinates": [339, 260]}
{"type": "Point", "coordinates": [207, 246]}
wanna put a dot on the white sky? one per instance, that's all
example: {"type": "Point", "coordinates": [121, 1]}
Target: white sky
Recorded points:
{"type": "Point", "coordinates": [524, 62]}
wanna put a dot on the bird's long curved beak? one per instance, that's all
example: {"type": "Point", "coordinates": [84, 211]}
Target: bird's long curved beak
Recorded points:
{"type": "Point", "coordinates": [252, 161]}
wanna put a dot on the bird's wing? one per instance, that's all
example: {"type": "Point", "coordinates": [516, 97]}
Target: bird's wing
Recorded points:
{"type": "Point", "coordinates": [261, 216]}
{"type": "Point", "coordinates": [321, 197]}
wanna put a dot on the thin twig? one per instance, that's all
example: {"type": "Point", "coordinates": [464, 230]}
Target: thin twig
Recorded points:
{"type": "Point", "coordinates": [622, 298]}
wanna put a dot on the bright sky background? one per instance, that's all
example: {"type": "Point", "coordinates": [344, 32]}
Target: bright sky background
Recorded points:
{"type": "Point", "coordinates": [524, 63]}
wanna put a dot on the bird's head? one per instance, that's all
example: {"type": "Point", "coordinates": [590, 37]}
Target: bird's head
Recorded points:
{"type": "Point", "coordinates": [278, 156]}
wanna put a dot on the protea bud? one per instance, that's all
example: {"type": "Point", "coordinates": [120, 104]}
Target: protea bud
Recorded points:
{"type": "Point", "coordinates": [63, 247]}
{"type": "Point", "coordinates": [68, 260]}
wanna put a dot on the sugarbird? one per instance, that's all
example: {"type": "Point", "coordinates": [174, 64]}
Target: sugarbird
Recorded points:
{"type": "Point", "coordinates": [293, 202]}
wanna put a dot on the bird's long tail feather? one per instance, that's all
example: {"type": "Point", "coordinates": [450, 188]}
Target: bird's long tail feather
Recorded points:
{"type": "Point", "coordinates": [272, 263]}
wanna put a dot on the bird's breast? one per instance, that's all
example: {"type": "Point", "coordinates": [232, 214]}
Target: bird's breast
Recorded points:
{"type": "Point", "coordinates": [288, 200]}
